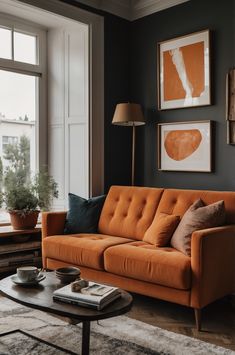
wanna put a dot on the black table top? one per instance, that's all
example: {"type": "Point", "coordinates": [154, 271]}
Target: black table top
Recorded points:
{"type": "Point", "coordinates": [40, 297]}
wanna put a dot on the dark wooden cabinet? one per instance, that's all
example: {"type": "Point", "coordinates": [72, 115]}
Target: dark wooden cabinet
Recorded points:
{"type": "Point", "coordinates": [19, 248]}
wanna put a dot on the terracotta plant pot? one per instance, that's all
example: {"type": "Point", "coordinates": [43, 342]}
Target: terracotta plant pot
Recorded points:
{"type": "Point", "coordinates": [23, 221]}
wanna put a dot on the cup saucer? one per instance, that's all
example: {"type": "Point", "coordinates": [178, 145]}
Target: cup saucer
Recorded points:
{"type": "Point", "coordinates": [18, 281]}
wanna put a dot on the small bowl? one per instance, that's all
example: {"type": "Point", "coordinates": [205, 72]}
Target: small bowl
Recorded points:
{"type": "Point", "coordinates": [68, 274]}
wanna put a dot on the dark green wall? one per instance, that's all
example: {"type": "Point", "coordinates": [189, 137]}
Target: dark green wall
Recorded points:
{"type": "Point", "coordinates": [186, 18]}
{"type": "Point", "coordinates": [117, 76]}
{"type": "Point", "coordinates": [130, 75]}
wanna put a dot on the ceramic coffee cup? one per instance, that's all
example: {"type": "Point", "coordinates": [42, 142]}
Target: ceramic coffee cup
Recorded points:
{"type": "Point", "coordinates": [27, 273]}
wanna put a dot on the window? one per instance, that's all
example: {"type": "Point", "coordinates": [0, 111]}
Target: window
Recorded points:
{"type": "Point", "coordinates": [18, 46]}
{"type": "Point", "coordinates": [6, 140]}
{"type": "Point", "coordinates": [5, 43]}
{"type": "Point", "coordinates": [25, 48]}
{"type": "Point", "coordinates": [18, 98]}
{"type": "Point", "coordinates": [22, 94]}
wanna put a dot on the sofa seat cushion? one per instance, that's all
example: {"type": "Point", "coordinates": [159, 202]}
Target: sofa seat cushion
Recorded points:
{"type": "Point", "coordinates": [141, 261]}
{"type": "Point", "coordinates": [80, 249]}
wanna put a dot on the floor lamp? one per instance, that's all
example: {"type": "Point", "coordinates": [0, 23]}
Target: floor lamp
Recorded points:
{"type": "Point", "coordinates": [128, 114]}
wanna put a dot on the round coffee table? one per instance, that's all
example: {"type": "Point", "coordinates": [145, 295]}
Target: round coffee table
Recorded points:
{"type": "Point", "coordinates": [40, 297]}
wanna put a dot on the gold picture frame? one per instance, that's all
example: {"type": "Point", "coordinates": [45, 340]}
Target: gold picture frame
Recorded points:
{"type": "Point", "coordinates": [184, 71]}
{"type": "Point", "coordinates": [185, 146]}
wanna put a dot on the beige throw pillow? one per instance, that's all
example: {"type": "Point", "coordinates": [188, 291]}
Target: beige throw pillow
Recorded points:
{"type": "Point", "coordinates": [197, 217]}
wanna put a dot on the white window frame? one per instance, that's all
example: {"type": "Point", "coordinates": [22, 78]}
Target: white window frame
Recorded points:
{"type": "Point", "coordinates": [37, 70]}
{"type": "Point", "coordinates": [29, 9]}
{"type": "Point", "coordinates": [96, 98]}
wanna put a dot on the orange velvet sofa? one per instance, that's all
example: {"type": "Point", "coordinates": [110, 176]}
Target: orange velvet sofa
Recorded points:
{"type": "Point", "coordinates": [118, 255]}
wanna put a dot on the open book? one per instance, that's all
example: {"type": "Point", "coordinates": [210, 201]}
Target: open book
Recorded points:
{"type": "Point", "coordinates": [95, 295]}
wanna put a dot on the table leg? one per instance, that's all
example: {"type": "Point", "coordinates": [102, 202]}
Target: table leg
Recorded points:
{"type": "Point", "coordinates": [85, 337]}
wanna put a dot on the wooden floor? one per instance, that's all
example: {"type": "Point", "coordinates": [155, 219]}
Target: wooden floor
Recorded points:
{"type": "Point", "coordinates": [218, 319]}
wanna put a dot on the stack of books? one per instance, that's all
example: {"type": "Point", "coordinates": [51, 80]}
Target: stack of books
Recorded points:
{"type": "Point", "coordinates": [95, 296]}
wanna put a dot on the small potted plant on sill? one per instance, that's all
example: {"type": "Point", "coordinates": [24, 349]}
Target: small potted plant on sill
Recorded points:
{"type": "Point", "coordinates": [25, 199]}
{"type": "Point", "coordinates": [22, 194]}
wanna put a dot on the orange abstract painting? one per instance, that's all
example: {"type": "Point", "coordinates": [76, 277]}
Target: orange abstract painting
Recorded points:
{"type": "Point", "coordinates": [183, 70]}
{"type": "Point", "coordinates": [180, 144]}
{"type": "Point", "coordinates": [184, 146]}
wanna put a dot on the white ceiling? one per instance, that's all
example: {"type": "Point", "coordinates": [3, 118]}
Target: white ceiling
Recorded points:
{"type": "Point", "coordinates": [132, 9]}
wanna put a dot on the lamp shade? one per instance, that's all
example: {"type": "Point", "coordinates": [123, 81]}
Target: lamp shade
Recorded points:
{"type": "Point", "coordinates": [128, 114]}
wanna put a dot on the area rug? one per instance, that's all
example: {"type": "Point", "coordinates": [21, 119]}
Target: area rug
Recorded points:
{"type": "Point", "coordinates": [119, 335]}
{"type": "Point", "coordinates": [17, 341]}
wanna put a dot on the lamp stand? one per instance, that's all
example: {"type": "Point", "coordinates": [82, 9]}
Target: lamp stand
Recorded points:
{"type": "Point", "coordinates": [129, 114]}
{"type": "Point", "coordinates": [133, 156]}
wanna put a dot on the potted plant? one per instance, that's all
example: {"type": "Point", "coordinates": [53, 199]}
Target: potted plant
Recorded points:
{"type": "Point", "coordinates": [24, 200]}
{"type": "Point", "coordinates": [22, 194]}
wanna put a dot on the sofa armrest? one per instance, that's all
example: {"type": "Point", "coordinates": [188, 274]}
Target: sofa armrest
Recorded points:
{"type": "Point", "coordinates": [53, 223]}
{"type": "Point", "coordinates": [213, 264]}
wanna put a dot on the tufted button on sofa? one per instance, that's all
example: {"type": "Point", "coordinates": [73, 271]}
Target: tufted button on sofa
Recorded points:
{"type": "Point", "coordinates": [118, 255]}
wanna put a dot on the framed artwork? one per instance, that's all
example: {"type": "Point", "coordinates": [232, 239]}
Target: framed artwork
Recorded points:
{"type": "Point", "coordinates": [230, 106]}
{"type": "Point", "coordinates": [184, 71]}
{"type": "Point", "coordinates": [231, 132]}
{"type": "Point", "coordinates": [184, 146]}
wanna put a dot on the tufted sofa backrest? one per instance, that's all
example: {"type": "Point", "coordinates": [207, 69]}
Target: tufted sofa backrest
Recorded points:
{"type": "Point", "coordinates": [176, 201]}
{"type": "Point", "coordinates": [128, 211]}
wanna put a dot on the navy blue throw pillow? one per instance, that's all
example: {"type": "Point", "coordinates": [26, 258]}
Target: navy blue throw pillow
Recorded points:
{"type": "Point", "coordinates": [83, 215]}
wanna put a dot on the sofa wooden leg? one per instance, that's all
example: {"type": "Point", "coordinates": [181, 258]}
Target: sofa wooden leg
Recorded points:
{"type": "Point", "coordinates": [198, 318]}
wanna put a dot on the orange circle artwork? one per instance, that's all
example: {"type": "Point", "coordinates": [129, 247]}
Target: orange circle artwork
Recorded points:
{"type": "Point", "coordinates": [180, 144]}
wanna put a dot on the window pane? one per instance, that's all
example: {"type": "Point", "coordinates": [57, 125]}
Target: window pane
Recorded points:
{"type": "Point", "coordinates": [6, 140]}
{"type": "Point", "coordinates": [17, 115]}
{"type": "Point", "coordinates": [17, 122]}
{"type": "Point", "coordinates": [5, 43]}
{"type": "Point", "coordinates": [4, 216]}
{"type": "Point", "coordinates": [25, 48]}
